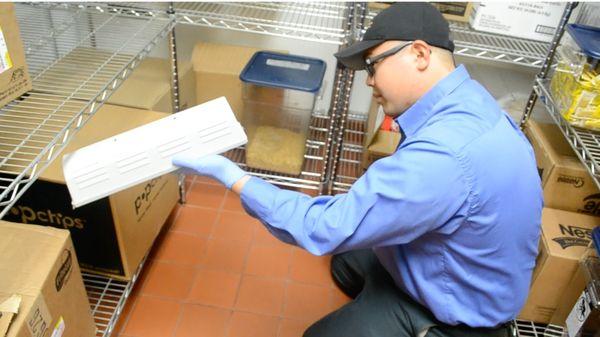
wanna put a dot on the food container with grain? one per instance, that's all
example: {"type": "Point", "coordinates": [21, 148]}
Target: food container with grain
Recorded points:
{"type": "Point", "coordinates": [280, 91]}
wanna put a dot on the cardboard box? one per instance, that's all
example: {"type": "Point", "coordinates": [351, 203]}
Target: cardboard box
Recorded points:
{"type": "Point", "coordinates": [528, 20]}
{"type": "Point", "coordinates": [113, 234]}
{"type": "Point", "coordinates": [39, 266]}
{"type": "Point", "coordinates": [569, 297]}
{"type": "Point", "coordinates": [454, 11]}
{"type": "Point", "coordinates": [149, 87]}
{"type": "Point", "coordinates": [377, 143]}
{"type": "Point", "coordinates": [566, 182]}
{"type": "Point", "coordinates": [217, 68]}
{"type": "Point", "coordinates": [565, 236]}
{"type": "Point", "coordinates": [14, 76]}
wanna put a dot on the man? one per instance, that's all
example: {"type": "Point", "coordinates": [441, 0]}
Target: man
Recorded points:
{"type": "Point", "coordinates": [438, 239]}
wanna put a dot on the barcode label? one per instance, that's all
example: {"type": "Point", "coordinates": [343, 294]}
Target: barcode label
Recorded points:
{"type": "Point", "coordinates": [288, 64]}
{"type": "Point", "coordinates": [5, 61]}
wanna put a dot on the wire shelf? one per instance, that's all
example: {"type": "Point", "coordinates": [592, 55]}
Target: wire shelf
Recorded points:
{"type": "Point", "coordinates": [349, 168]}
{"type": "Point", "coordinates": [107, 298]}
{"type": "Point", "coordinates": [586, 143]}
{"type": "Point", "coordinates": [74, 67]}
{"type": "Point", "coordinates": [491, 47]}
{"type": "Point", "coordinates": [318, 22]}
{"type": "Point", "coordinates": [530, 329]}
{"type": "Point", "coordinates": [313, 167]}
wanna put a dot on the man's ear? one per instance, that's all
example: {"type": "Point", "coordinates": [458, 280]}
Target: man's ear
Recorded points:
{"type": "Point", "coordinates": [423, 53]}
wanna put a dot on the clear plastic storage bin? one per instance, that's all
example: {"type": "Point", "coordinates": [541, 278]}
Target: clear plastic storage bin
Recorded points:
{"type": "Point", "coordinates": [279, 94]}
{"type": "Point", "coordinates": [575, 85]}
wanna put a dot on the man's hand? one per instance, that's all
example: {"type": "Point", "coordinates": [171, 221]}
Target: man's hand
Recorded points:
{"type": "Point", "coordinates": [214, 166]}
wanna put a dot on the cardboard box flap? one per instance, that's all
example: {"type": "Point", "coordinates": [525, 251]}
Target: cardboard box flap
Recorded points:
{"type": "Point", "coordinates": [9, 307]}
{"type": "Point", "coordinates": [33, 249]}
{"type": "Point", "coordinates": [231, 59]}
{"type": "Point", "coordinates": [108, 121]}
{"type": "Point", "coordinates": [567, 234]}
{"type": "Point", "coordinates": [554, 144]}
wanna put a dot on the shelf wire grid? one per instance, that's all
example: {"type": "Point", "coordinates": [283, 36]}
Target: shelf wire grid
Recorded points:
{"type": "Point", "coordinates": [313, 166]}
{"type": "Point", "coordinates": [585, 143]}
{"type": "Point", "coordinates": [74, 69]}
{"type": "Point", "coordinates": [107, 298]}
{"type": "Point", "coordinates": [349, 167]}
{"type": "Point", "coordinates": [310, 21]}
{"type": "Point", "coordinates": [491, 47]}
{"type": "Point", "coordinates": [530, 329]}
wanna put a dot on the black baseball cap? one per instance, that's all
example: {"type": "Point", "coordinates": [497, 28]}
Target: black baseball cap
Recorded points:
{"type": "Point", "coordinates": [406, 21]}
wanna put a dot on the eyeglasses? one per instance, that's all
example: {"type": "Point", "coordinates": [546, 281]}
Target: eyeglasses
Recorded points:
{"type": "Point", "coordinates": [371, 61]}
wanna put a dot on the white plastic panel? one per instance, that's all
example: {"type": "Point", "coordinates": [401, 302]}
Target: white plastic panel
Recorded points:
{"type": "Point", "coordinates": [141, 154]}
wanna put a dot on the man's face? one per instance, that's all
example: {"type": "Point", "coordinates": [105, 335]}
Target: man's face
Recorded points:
{"type": "Point", "coordinates": [392, 81]}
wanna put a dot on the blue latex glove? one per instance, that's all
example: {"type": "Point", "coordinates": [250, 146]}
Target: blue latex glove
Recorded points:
{"type": "Point", "coordinates": [214, 166]}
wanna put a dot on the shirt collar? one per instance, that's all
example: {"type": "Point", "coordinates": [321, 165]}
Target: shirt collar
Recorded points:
{"type": "Point", "coordinates": [412, 119]}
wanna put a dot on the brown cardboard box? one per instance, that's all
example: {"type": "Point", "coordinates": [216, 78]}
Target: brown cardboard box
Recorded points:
{"type": "Point", "coordinates": [149, 87]}
{"type": "Point", "coordinates": [455, 11]}
{"type": "Point", "coordinates": [113, 234]}
{"type": "Point", "coordinates": [14, 76]}
{"type": "Point", "coordinates": [217, 68]}
{"type": "Point", "coordinates": [565, 236]}
{"type": "Point", "coordinates": [566, 182]}
{"type": "Point", "coordinates": [38, 264]}
{"type": "Point", "coordinates": [572, 292]}
{"type": "Point", "coordinates": [377, 143]}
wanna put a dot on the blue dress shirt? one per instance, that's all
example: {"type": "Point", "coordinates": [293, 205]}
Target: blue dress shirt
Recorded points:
{"type": "Point", "coordinates": [453, 215]}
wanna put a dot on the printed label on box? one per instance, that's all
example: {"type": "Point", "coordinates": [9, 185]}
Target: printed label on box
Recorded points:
{"type": "Point", "coordinates": [59, 328]}
{"type": "Point", "coordinates": [39, 318]}
{"type": "Point", "coordinates": [288, 64]}
{"type": "Point", "coordinates": [5, 61]}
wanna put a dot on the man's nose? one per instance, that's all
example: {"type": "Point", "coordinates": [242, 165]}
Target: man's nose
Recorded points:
{"type": "Point", "coordinates": [370, 81]}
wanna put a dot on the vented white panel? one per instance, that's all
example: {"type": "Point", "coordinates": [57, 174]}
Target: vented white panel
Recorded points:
{"type": "Point", "coordinates": [135, 156]}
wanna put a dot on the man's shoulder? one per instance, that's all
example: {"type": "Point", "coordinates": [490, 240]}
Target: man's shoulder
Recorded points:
{"type": "Point", "coordinates": [463, 117]}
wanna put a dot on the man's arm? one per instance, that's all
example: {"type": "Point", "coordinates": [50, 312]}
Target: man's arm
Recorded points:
{"type": "Point", "coordinates": [418, 189]}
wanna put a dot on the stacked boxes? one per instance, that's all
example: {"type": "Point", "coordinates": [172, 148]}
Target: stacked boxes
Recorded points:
{"type": "Point", "coordinates": [570, 198]}
{"type": "Point", "coordinates": [111, 235]}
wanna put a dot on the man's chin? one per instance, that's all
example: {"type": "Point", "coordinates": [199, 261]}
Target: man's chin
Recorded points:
{"type": "Point", "coordinates": [391, 113]}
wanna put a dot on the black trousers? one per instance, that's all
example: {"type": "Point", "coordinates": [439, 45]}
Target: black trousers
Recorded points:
{"type": "Point", "coordinates": [379, 308]}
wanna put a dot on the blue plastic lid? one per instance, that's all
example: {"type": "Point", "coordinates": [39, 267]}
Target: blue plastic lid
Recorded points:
{"type": "Point", "coordinates": [284, 71]}
{"type": "Point", "coordinates": [587, 38]}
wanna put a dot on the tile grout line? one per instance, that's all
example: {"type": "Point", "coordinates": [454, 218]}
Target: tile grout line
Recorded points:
{"type": "Point", "coordinates": [140, 283]}
{"type": "Point", "coordinates": [196, 270]}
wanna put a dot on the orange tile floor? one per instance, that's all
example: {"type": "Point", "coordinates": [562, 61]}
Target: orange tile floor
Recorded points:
{"type": "Point", "coordinates": [216, 272]}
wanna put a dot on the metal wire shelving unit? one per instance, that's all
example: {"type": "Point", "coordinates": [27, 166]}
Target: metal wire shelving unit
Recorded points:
{"type": "Point", "coordinates": [585, 143]}
{"type": "Point", "coordinates": [74, 70]}
{"type": "Point", "coordinates": [107, 298]}
{"type": "Point", "coordinates": [77, 56]}
{"type": "Point", "coordinates": [328, 23]}
{"type": "Point", "coordinates": [317, 22]}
